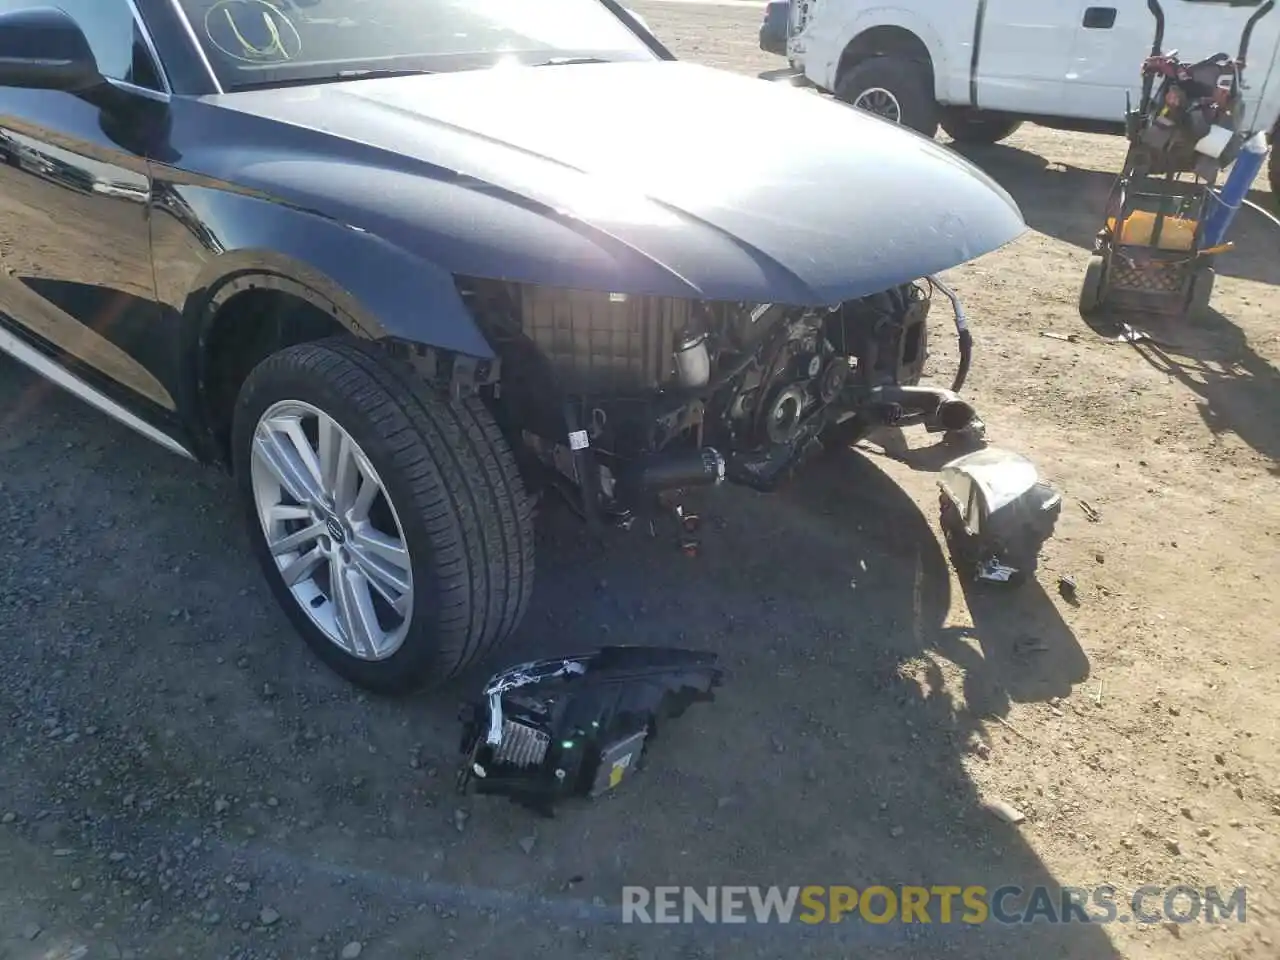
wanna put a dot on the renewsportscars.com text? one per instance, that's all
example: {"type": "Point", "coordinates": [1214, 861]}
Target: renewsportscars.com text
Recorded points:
{"type": "Point", "coordinates": [971, 904]}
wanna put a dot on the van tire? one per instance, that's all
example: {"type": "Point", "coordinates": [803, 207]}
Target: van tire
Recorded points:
{"type": "Point", "coordinates": [906, 83]}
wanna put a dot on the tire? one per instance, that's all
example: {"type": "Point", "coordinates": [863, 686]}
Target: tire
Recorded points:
{"type": "Point", "coordinates": [905, 81]}
{"type": "Point", "coordinates": [1091, 290]}
{"type": "Point", "coordinates": [969, 126]}
{"type": "Point", "coordinates": [1200, 294]}
{"type": "Point", "coordinates": [449, 490]}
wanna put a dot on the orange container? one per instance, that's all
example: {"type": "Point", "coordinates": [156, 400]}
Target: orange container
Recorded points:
{"type": "Point", "coordinates": [1177, 233]}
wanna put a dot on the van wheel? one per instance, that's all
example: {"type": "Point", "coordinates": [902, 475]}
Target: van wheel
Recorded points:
{"type": "Point", "coordinates": [389, 519]}
{"type": "Point", "coordinates": [974, 126]}
{"type": "Point", "coordinates": [894, 88]}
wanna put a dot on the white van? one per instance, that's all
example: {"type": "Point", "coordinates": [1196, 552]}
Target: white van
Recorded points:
{"type": "Point", "coordinates": [979, 68]}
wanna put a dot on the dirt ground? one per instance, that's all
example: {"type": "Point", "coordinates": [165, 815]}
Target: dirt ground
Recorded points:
{"type": "Point", "coordinates": [180, 778]}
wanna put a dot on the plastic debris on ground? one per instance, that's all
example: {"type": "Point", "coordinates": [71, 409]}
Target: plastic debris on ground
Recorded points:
{"type": "Point", "coordinates": [996, 514]}
{"type": "Point", "coordinates": [545, 731]}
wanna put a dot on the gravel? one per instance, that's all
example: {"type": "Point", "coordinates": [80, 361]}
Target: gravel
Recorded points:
{"type": "Point", "coordinates": [165, 730]}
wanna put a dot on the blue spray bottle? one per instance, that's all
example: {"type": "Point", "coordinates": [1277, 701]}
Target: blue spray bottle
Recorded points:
{"type": "Point", "coordinates": [1225, 203]}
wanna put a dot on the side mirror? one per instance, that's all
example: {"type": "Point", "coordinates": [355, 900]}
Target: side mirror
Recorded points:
{"type": "Point", "coordinates": [42, 48]}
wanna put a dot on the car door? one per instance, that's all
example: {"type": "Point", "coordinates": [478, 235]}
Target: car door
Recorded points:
{"type": "Point", "coordinates": [1024, 49]}
{"type": "Point", "coordinates": [1112, 39]}
{"type": "Point", "coordinates": [1107, 60]}
{"type": "Point", "coordinates": [76, 280]}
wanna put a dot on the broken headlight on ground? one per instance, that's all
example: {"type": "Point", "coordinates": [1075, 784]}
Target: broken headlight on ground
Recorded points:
{"type": "Point", "coordinates": [996, 514]}
{"type": "Point", "coordinates": [576, 726]}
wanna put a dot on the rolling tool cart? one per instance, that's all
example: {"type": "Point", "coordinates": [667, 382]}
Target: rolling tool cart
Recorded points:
{"type": "Point", "coordinates": [1149, 255]}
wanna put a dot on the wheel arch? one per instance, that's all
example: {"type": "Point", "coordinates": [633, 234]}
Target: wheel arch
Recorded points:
{"type": "Point", "coordinates": [892, 32]}
{"type": "Point", "coordinates": [249, 302]}
{"type": "Point", "coordinates": [246, 317]}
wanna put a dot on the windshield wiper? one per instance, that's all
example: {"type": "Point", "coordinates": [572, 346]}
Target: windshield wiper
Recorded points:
{"type": "Point", "coordinates": [340, 77]}
{"type": "Point", "coordinates": [375, 74]}
{"type": "Point", "coordinates": [564, 61]}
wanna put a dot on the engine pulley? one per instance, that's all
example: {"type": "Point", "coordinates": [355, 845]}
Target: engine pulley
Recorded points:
{"type": "Point", "coordinates": [783, 419]}
{"type": "Point", "coordinates": [834, 377]}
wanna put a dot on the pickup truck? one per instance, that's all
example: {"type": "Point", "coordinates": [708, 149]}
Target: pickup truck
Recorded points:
{"type": "Point", "coordinates": [979, 68]}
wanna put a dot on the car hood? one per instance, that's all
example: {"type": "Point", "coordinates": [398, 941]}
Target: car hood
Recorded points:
{"type": "Point", "coordinates": [658, 177]}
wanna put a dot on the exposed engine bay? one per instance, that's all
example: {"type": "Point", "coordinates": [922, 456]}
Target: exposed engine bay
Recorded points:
{"type": "Point", "coordinates": [625, 395]}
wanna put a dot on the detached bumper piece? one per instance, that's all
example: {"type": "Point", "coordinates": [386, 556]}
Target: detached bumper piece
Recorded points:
{"type": "Point", "coordinates": [576, 726]}
{"type": "Point", "coordinates": [996, 515]}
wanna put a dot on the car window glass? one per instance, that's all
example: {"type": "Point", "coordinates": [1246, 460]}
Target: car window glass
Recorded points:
{"type": "Point", "coordinates": [113, 34]}
{"type": "Point", "coordinates": [256, 42]}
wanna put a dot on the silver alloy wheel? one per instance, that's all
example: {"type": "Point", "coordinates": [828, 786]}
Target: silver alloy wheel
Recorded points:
{"type": "Point", "coordinates": [332, 530]}
{"type": "Point", "coordinates": [881, 102]}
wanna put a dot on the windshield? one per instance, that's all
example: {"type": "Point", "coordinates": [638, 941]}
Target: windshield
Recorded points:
{"type": "Point", "coordinates": [261, 42]}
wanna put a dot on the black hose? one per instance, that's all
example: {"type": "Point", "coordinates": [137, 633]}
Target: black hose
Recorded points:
{"type": "Point", "coordinates": [1261, 12]}
{"type": "Point", "coordinates": [585, 465]}
{"type": "Point", "coordinates": [965, 339]}
{"type": "Point", "coordinates": [1158, 44]}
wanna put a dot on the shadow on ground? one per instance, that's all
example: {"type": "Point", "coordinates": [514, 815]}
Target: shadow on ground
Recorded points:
{"type": "Point", "coordinates": [1067, 202]}
{"type": "Point", "coordinates": [1209, 354]}
{"type": "Point", "coordinates": [833, 756]}
{"type": "Point", "coordinates": [1025, 652]}
{"type": "Point", "coordinates": [1236, 389]}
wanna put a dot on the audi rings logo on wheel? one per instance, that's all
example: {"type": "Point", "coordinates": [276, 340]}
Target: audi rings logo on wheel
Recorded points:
{"type": "Point", "coordinates": [252, 31]}
{"type": "Point", "coordinates": [333, 526]}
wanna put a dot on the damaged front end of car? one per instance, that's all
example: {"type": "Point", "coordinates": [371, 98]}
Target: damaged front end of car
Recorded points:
{"type": "Point", "coordinates": [619, 397]}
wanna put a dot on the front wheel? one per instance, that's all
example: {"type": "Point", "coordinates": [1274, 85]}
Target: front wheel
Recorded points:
{"type": "Point", "coordinates": [895, 88]}
{"type": "Point", "coordinates": [389, 520]}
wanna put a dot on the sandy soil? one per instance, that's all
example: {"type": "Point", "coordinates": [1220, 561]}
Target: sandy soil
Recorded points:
{"type": "Point", "coordinates": [180, 778]}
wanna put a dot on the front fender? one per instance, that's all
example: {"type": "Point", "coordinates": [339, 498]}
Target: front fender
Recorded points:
{"type": "Point", "coordinates": [837, 25]}
{"type": "Point", "coordinates": [372, 287]}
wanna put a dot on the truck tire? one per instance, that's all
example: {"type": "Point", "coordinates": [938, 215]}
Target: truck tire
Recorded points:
{"type": "Point", "coordinates": [973, 126]}
{"type": "Point", "coordinates": [390, 520]}
{"type": "Point", "coordinates": [892, 87]}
